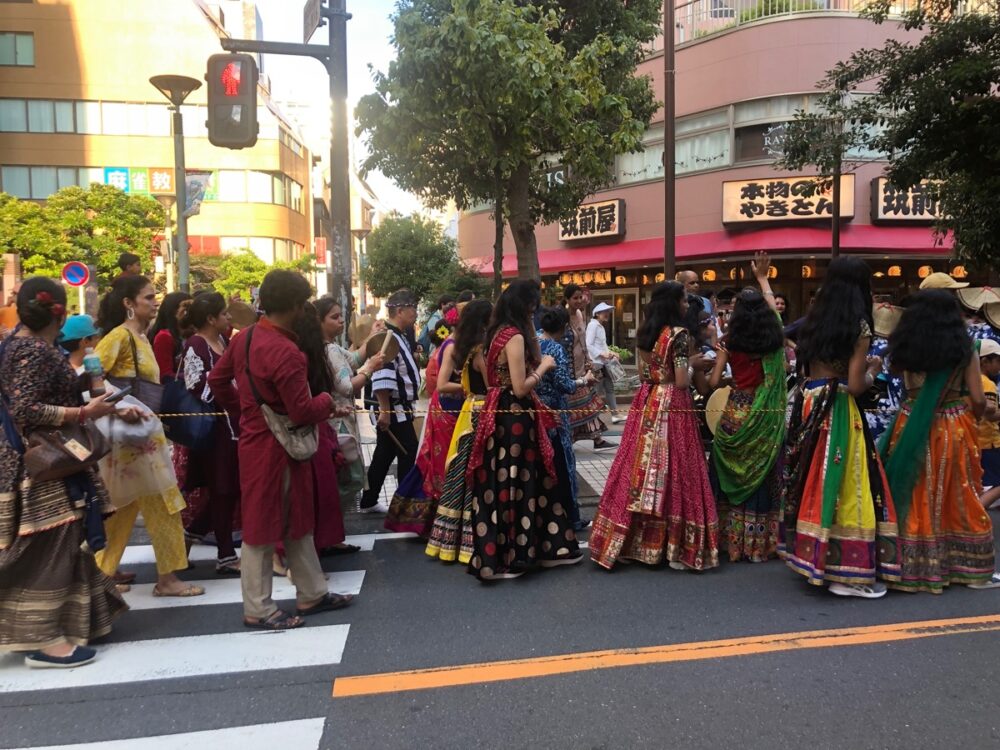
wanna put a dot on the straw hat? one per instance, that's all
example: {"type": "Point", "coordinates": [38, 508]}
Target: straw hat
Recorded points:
{"type": "Point", "coordinates": [384, 342]}
{"type": "Point", "coordinates": [977, 296]}
{"type": "Point", "coordinates": [939, 280]}
{"type": "Point", "coordinates": [242, 314]}
{"type": "Point", "coordinates": [715, 406]}
{"type": "Point", "coordinates": [991, 312]}
{"type": "Point", "coordinates": [886, 318]}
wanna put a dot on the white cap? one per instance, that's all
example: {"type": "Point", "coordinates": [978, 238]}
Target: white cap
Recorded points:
{"type": "Point", "coordinates": [602, 307]}
{"type": "Point", "coordinates": [988, 347]}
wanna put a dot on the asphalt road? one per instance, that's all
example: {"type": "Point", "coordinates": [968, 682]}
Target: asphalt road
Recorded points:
{"type": "Point", "coordinates": [880, 690]}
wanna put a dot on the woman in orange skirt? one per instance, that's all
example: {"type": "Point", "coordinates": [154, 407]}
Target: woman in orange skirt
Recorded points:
{"type": "Point", "coordinates": [931, 452]}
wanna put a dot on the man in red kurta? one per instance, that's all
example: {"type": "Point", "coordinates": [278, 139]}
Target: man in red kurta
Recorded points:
{"type": "Point", "coordinates": [277, 493]}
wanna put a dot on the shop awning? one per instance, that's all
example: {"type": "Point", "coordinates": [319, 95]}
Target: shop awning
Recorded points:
{"type": "Point", "coordinates": [860, 238]}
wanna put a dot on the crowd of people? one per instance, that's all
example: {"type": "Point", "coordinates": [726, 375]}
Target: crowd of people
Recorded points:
{"type": "Point", "coordinates": [790, 467]}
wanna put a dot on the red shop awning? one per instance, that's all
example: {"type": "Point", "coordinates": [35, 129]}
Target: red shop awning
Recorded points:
{"type": "Point", "coordinates": [861, 238]}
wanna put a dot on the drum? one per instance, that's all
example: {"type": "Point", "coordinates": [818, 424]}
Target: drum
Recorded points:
{"type": "Point", "coordinates": [715, 406]}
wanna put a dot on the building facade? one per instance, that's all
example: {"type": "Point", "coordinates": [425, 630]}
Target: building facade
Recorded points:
{"type": "Point", "coordinates": [741, 74]}
{"type": "Point", "coordinates": [76, 107]}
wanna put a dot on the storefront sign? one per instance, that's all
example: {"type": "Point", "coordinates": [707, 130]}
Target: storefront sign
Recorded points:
{"type": "Point", "coordinates": [594, 221]}
{"type": "Point", "coordinates": [914, 205]}
{"type": "Point", "coordinates": [783, 199]}
{"type": "Point", "coordinates": [161, 181]}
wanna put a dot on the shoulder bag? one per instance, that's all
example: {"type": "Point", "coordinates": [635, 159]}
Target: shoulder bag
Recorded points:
{"type": "Point", "coordinates": [151, 394]}
{"type": "Point", "coordinates": [299, 441]}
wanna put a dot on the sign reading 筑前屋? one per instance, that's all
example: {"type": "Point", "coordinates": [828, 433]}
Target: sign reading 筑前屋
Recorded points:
{"type": "Point", "coordinates": [913, 205]}
{"type": "Point", "coordinates": [780, 199]}
{"type": "Point", "coordinates": [594, 221]}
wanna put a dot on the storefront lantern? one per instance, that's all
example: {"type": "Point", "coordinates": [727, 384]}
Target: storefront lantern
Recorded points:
{"type": "Point", "coordinates": [620, 280]}
{"type": "Point", "coordinates": [660, 277]}
{"type": "Point", "coordinates": [772, 272]}
{"type": "Point", "coordinates": [807, 272]}
{"type": "Point", "coordinates": [924, 271]}
{"type": "Point", "coordinates": [878, 274]}
{"type": "Point", "coordinates": [959, 272]}
{"type": "Point", "coordinates": [708, 275]}
{"type": "Point", "coordinates": [895, 271]}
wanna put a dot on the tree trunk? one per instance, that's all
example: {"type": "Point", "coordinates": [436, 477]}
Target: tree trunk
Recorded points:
{"type": "Point", "coordinates": [522, 226]}
{"type": "Point", "coordinates": [498, 224]}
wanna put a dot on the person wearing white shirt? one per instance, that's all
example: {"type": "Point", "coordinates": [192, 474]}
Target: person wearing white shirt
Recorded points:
{"type": "Point", "coordinates": [597, 348]}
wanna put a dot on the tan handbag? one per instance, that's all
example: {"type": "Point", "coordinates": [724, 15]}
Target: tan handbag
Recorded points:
{"type": "Point", "coordinates": [58, 453]}
{"type": "Point", "coordinates": [299, 441]}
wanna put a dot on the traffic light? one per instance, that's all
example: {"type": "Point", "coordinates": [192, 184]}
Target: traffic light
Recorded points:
{"type": "Point", "coordinates": [232, 100]}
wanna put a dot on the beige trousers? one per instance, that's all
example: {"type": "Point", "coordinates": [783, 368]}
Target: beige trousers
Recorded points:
{"type": "Point", "coordinates": [256, 572]}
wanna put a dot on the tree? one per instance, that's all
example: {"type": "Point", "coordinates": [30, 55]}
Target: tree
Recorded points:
{"type": "Point", "coordinates": [238, 273]}
{"type": "Point", "coordinates": [412, 252]}
{"type": "Point", "coordinates": [935, 114]}
{"type": "Point", "coordinates": [93, 225]}
{"type": "Point", "coordinates": [486, 96]}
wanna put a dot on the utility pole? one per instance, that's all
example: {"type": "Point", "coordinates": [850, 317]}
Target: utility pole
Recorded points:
{"type": "Point", "coordinates": [334, 59]}
{"type": "Point", "coordinates": [669, 138]}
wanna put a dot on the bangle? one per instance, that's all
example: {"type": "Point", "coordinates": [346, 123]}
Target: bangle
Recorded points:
{"type": "Point", "coordinates": [81, 415]}
{"type": "Point", "coordinates": [769, 293]}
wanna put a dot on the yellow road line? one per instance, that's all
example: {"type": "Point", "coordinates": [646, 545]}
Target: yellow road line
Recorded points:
{"type": "Point", "coordinates": [518, 669]}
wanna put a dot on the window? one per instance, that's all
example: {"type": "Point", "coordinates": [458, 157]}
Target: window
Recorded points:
{"type": "Point", "coordinates": [67, 177]}
{"type": "Point", "coordinates": [644, 165]}
{"type": "Point", "coordinates": [704, 151]}
{"type": "Point", "coordinates": [279, 190]}
{"type": "Point", "coordinates": [704, 121]}
{"type": "Point", "coordinates": [259, 187]}
{"type": "Point", "coordinates": [232, 186]}
{"type": "Point", "coordinates": [281, 250]}
{"type": "Point", "coordinates": [64, 117]}
{"type": "Point", "coordinates": [15, 181]}
{"type": "Point", "coordinates": [88, 118]}
{"type": "Point", "coordinates": [13, 117]}
{"type": "Point", "coordinates": [115, 118]}
{"type": "Point", "coordinates": [296, 196]}
{"type": "Point", "coordinates": [41, 116]}
{"type": "Point", "coordinates": [232, 245]}
{"type": "Point", "coordinates": [263, 248]}
{"type": "Point", "coordinates": [157, 120]}
{"type": "Point", "coordinates": [17, 49]}
{"type": "Point", "coordinates": [43, 182]}
{"type": "Point", "coordinates": [90, 175]}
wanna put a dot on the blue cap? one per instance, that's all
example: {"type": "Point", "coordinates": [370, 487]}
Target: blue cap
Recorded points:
{"type": "Point", "coordinates": [78, 327]}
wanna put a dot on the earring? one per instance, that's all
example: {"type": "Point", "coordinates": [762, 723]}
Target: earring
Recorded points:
{"type": "Point", "coordinates": [129, 313]}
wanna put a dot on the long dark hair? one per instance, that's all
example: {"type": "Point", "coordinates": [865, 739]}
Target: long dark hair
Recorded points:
{"type": "Point", "coordinates": [471, 329]}
{"type": "Point", "coordinates": [516, 305]}
{"type": "Point", "coordinates": [931, 334]}
{"type": "Point", "coordinates": [111, 312]}
{"type": "Point", "coordinates": [324, 305]}
{"type": "Point", "coordinates": [311, 343]}
{"type": "Point", "coordinates": [754, 327]}
{"type": "Point", "coordinates": [692, 318]}
{"type": "Point", "coordinates": [664, 309]}
{"type": "Point", "coordinates": [204, 306]}
{"type": "Point", "coordinates": [833, 324]}
{"type": "Point", "coordinates": [167, 318]}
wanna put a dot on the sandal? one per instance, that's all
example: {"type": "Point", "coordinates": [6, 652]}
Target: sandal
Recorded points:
{"type": "Point", "coordinates": [342, 549]}
{"type": "Point", "coordinates": [125, 578]}
{"type": "Point", "coordinates": [328, 603]}
{"type": "Point", "coordinates": [191, 590]}
{"type": "Point", "coordinates": [279, 620]}
{"type": "Point", "coordinates": [229, 567]}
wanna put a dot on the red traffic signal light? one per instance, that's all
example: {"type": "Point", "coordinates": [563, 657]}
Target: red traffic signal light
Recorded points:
{"type": "Point", "coordinates": [232, 100]}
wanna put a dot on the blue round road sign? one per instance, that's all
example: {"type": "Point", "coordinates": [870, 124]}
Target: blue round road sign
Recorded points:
{"type": "Point", "coordinates": [75, 273]}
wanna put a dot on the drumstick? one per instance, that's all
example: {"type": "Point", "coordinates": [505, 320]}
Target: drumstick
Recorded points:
{"type": "Point", "coordinates": [396, 441]}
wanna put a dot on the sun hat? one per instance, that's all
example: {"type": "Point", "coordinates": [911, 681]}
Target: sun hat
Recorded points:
{"type": "Point", "coordinates": [602, 307]}
{"type": "Point", "coordinates": [78, 327]}
{"type": "Point", "coordinates": [939, 280]}
{"type": "Point", "coordinates": [886, 318]}
{"type": "Point", "coordinates": [976, 297]}
{"type": "Point", "coordinates": [988, 347]}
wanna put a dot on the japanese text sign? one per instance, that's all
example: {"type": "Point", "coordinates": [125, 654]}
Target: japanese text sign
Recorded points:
{"type": "Point", "coordinates": [161, 181]}
{"type": "Point", "coordinates": [778, 199]}
{"type": "Point", "coordinates": [593, 221]}
{"type": "Point", "coordinates": [914, 205]}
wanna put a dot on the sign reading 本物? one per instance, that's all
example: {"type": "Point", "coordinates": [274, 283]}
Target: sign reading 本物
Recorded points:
{"type": "Point", "coordinates": [913, 205]}
{"type": "Point", "coordinates": [594, 221]}
{"type": "Point", "coordinates": [780, 199]}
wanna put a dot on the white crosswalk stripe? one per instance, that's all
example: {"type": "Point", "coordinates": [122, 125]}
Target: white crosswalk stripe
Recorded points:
{"type": "Point", "coordinates": [302, 735]}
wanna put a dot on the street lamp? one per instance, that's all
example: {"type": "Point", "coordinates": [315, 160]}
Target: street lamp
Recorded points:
{"type": "Point", "coordinates": [177, 89]}
{"type": "Point", "coordinates": [167, 201]}
{"type": "Point", "coordinates": [359, 235]}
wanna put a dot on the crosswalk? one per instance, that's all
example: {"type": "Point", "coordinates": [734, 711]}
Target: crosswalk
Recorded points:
{"type": "Point", "coordinates": [228, 654]}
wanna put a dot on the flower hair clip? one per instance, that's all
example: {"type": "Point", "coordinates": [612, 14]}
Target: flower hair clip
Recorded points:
{"type": "Point", "coordinates": [44, 299]}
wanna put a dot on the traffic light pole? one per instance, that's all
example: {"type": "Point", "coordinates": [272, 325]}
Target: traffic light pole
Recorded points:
{"type": "Point", "coordinates": [180, 186]}
{"type": "Point", "coordinates": [334, 58]}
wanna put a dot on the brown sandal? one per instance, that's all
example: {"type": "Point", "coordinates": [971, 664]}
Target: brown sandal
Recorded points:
{"type": "Point", "coordinates": [279, 620]}
{"type": "Point", "coordinates": [191, 590]}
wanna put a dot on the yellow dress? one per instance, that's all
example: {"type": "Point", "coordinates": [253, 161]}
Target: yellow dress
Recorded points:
{"type": "Point", "coordinates": [140, 477]}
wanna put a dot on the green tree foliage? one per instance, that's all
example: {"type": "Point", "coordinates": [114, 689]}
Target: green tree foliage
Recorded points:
{"type": "Point", "coordinates": [412, 252]}
{"type": "Point", "coordinates": [93, 225]}
{"type": "Point", "coordinates": [935, 113]}
{"type": "Point", "coordinates": [486, 96]}
{"type": "Point", "coordinates": [235, 275]}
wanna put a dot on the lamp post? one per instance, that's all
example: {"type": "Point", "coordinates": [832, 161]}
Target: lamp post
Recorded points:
{"type": "Point", "coordinates": [167, 201]}
{"type": "Point", "coordinates": [359, 235]}
{"type": "Point", "coordinates": [669, 138]}
{"type": "Point", "coordinates": [177, 89]}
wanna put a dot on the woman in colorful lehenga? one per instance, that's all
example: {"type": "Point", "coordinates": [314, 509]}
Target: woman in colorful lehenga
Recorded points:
{"type": "Point", "coordinates": [745, 470]}
{"type": "Point", "coordinates": [838, 522]}
{"type": "Point", "coordinates": [414, 503]}
{"type": "Point", "coordinates": [931, 452]}
{"type": "Point", "coordinates": [657, 503]}
{"type": "Point", "coordinates": [584, 403]}
{"type": "Point", "coordinates": [451, 533]}
{"type": "Point", "coordinates": [518, 520]}
{"type": "Point", "coordinates": [557, 383]}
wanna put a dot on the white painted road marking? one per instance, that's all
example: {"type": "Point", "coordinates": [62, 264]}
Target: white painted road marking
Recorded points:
{"type": "Point", "coordinates": [301, 735]}
{"type": "Point", "coordinates": [192, 656]}
{"type": "Point", "coordinates": [228, 591]}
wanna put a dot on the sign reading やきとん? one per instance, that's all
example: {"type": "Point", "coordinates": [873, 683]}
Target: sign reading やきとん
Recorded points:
{"type": "Point", "coordinates": [594, 221]}
{"type": "Point", "coordinates": [783, 199]}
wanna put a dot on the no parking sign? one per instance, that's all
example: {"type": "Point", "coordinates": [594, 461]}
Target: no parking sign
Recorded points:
{"type": "Point", "coordinates": [76, 273]}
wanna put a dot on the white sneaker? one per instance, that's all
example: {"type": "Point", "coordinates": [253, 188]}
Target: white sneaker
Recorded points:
{"type": "Point", "coordinates": [570, 560]}
{"type": "Point", "coordinates": [618, 420]}
{"type": "Point", "coordinates": [993, 583]}
{"type": "Point", "coordinates": [378, 507]}
{"type": "Point", "coordinates": [864, 590]}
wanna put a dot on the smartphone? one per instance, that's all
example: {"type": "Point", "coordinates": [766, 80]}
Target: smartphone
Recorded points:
{"type": "Point", "coordinates": [116, 397]}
